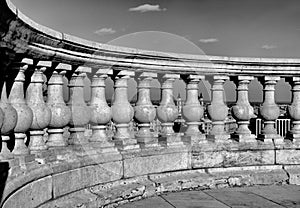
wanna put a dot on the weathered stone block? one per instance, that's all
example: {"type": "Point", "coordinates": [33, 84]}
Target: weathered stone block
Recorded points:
{"type": "Point", "coordinates": [156, 163]}
{"type": "Point", "coordinates": [247, 158]}
{"type": "Point", "coordinates": [207, 159]}
{"type": "Point", "coordinates": [232, 158]}
{"type": "Point", "coordinates": [31, 195]}
{"type": "Point", "coordinates": [288, 156]}
{"type": "Point", "coordinates": [76, 179]}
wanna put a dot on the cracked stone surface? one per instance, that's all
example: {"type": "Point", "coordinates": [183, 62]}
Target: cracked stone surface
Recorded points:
{"type": "Point", "coordinates": [274, 196]}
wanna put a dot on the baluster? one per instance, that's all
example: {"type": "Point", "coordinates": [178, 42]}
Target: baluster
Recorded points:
{"type": "Point", "coordinates": [80, 112]}
{"type": "Point", "coordinates": [167, 111]}
{"type": "Point", "coordinates": [269, 110]}
{"type": "Point", "coordinates": [122, 113]}
{"type": "Point", "coordinates": [193, 110]}
{"type": "Point", "coordinates": [60, 113]}
{"type": "Point", "coordinates": [294, 110]}
{"type": "Point", "coordinates": [101, 112]}
{"type": "Point", "coordinates": [24, 113]}
{"type": "Point", "coordinates": [9, 115]}
{"type": "Point", "coordinates": [218, 110]}
{"type": "Point", "coordinates": [145, 112]}
{"type": "Point", "coordinates": [41, 112]}
{"type": "Point", "coordinates": [243, 111]}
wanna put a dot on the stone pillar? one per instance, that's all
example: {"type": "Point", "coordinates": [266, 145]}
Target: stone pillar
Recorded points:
{"type": "Point", "coordinates": [60, 113]}
{"type": "Point", "coordinates": [122, 113]}
{"type": "Point", "coordinates": [218, 110]}
{"type": "Point", "coordinates": [24, 113]}
{"type": "Point", "coordinates": [167, 112]}
{"type": "Point", "coordinates": [294, 110]}
{"type": "Point", "coordinates": [100, 112]}
{"type": "Point", "coordinates": [41, 112]}
{"type": "Point", "coordinates": [145, 112]}
{"type": "Point", "coordinates": [243, 111]}
{"type": "Point", "coordinates": [10, 116]}
{"type": "Point", "coordinates": [80, 112]}
{"type": "Point", "coordinates": [192, 110]}
{"type": "Point", "coordinates": [269, 111]}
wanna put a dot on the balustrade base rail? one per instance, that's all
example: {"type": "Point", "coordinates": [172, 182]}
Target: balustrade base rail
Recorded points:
{"type": "Point", "coordinates": [92, 176]}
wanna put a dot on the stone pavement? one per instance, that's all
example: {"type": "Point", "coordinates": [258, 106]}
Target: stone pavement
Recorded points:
{"type": "Point", "coordinates": [255, 197]}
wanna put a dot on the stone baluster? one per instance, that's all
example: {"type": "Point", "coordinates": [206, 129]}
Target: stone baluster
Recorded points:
{"type": "Point", "coordinates": [24, 113]}
{"type": "Point", "coordinates": [100, 112]}
{"type": "Point", "coordinates": [218, 110]}
{"type": "Point", "coordinates": [269, 111]}
{"type": "Point", "coordinates": [60, 113]}
{"type": "Point", "coordinates": [192, 110]}
{"type": "Point", "coordinates": [145, 112]}
{"type": "Point", "coordinates": [293, 110]}
{"type": "Point", "coordinates": [167, 112]}
{"type": "Point", "coordinates": [41, 112]}
{"type": "Point", "coordinates": [80, 112]}
{"type": "Point", "coordinates": [243, 111]}
{"type": "Point", "coordinates": [9, 117]}
{"type": "Point", "coordinates": [122, 113]}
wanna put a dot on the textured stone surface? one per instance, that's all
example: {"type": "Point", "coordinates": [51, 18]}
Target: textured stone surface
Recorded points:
{"type": "Point", "coordinates": [155, 164]}
{"type": "Point", "coordinates": [32, 194]}
{"type": "Point", "coordinates": [80, 178]}
{"type": "Point", "coordinates": [232, 158]}
{"type": "Point", "coordinates": [288, 156]}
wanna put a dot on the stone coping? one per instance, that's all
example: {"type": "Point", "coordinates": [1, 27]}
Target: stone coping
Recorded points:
{"type": "Point", "coordinates": [24, 36]}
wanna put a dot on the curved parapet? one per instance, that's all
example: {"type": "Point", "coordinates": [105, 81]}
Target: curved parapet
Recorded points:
{"type": "Point", "coordinates": [94, 161]}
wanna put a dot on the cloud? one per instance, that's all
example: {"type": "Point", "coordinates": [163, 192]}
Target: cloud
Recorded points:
{"type": "Point", "coordinates": [209, 40]}
{"type": "Point", "coordinates": [147, 8]}
{"type": "Point", "coordinates": [268, 47]}
{"type": "Point", "coordinates": [105, 31]}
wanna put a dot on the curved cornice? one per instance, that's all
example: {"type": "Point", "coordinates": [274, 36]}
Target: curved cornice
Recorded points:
{"type": "Point", "coordinates": [24, 36]}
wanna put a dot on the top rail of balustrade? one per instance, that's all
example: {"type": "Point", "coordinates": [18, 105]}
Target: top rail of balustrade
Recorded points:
{"type": "Point", "coordinates": [23, 36]}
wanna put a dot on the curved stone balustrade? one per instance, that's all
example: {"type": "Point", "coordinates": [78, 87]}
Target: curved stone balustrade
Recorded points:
{"type": "Point", "coordinates": [90, 152]}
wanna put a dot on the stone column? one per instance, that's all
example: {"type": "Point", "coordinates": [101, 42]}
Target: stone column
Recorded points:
{"type": "Point", "coordinates": [167, 112]}
{"type": "Point", "coordinates": [122, 113]}
{"type": "Point", "coordinates": [10, 116]}
{"type": "Point", "coordinates": [24, 113]}
{"type": "Point", "coordinates": [41, 112]}
{"type": "Point", "coordinates": [80, 112]}
{"type": "Point", "coordinates": [192, 110]}
{"type": "Point", "coordinates": [145, 112]}
{"type": "Point", "coordinates": [218, 110]}
{"type": "Point", "coordinates": [294, 110]}
{"type": "Point", "coordinates": [60, 113]}
{"type": "Point", "coordinates": [243, 111]}
{"type": "Point", "coordinates": [100, 112]}
{"type": "Point", "coordinates": [269, 111]}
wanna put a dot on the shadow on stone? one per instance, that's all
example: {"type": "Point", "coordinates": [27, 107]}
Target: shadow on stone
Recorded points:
{"type": "Point", "coordinates": [4, 166]}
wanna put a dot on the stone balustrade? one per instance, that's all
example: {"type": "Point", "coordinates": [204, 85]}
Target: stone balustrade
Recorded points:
{"type": "Point", "coordinates": [44, 119]}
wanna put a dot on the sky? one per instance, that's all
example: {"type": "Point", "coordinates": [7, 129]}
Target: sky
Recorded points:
{"type": "Point", "coordinates": [254, 28]}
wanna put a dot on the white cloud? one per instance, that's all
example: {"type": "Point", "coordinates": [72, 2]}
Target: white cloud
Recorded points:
{"type": "Point", "coordinates": [147, 8]}
{"type": "Point", "coordinates": [105, 31]}
{"type": "Point", "coordinates": [268, 47]}
{"type": "Point", "coordinates": [209, 40]}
